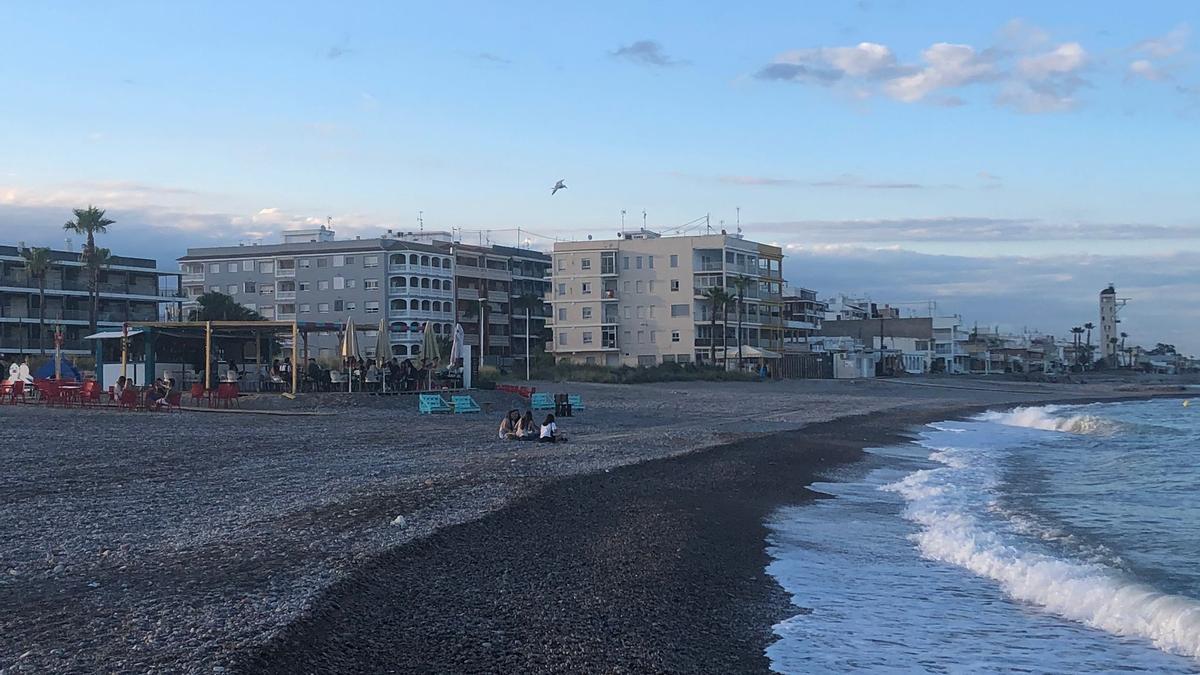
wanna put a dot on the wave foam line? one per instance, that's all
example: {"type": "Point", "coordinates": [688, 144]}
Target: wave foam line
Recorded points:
{"type": "Point", "coordinates": [1043, 417]}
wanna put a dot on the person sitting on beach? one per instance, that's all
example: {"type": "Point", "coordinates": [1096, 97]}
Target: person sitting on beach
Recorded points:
{"type": "Point", "coordinates": [508, 426]}
{"type": "Point", "coordinates": [156, 394]}
{"type": "Point", "coordinates": [549, 433]}
{"type": "Point", "coordinates": [527, 429]}
{"type": "Point", "coordinates": [119, 387]}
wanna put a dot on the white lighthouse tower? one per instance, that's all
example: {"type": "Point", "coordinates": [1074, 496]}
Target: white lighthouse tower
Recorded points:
{"type": "Point", "coordinates": [1110, 305]}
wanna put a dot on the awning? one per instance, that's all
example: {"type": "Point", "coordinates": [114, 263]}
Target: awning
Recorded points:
{"type": "Point", "coordinates": [112, 334]}
{"type": "Point", "coordinates": [749, 352]}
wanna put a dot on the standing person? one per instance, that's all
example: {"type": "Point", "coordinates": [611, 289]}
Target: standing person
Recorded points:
{"type": "Point", "coordinates": [549, 433]}
{"type": "Point", "coordinates": [394, 373]}
{"type": "Point", "coordinates": [313, 374]}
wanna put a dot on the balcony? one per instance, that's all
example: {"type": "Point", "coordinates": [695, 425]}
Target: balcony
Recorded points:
{"type": "Point", "coordinates": [468, 294]}
{"type": "Point", "coordinates": [192, 278]}
{"type": "Point", "coordinates": [709, 266]}
{"type": "Point", "coordinates": [285, 273]}
{"type": "Point", "coordinates": [285, 295]}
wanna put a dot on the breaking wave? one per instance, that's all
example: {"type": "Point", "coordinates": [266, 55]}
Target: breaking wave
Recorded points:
{"type": "Point", "coordinates": [1044, 417]}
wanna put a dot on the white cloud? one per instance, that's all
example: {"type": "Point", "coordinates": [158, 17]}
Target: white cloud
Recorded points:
{"type": "Point", "coordinates": [1146, 70]}
{"type": "Point", "coordinates": [1063, 59]}
{"type": "Point", "coordinates": [1160, 57]}
{"type": "Point", "coordinates": [1167, 45]}
{"type": "Point", "coordinates": [948, 66]}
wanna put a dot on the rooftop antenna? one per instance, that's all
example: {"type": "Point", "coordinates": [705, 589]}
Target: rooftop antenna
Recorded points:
{"type": "Point", "coordinates": [739, 219]}
{"type": "Point", "coordinates": [622, 221]}
{"type": "Point", "coordinates": [707, 224]}
{"type": "Point", "coordinates": [329, 222]}
{"type": "Point", "coordinates": [643, 219]}
{"type": "Point", "coordinates": [421, 221]}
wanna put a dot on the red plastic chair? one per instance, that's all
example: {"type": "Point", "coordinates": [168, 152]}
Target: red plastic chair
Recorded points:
{"type": "Point", "coordinates": [48, 391]}
{"type": "Point", "coordinates": [175, 401]}
{"type": "Point", "coordinates": [129, 399]}
{"type": "Point", "coordinates": [90, 394]}
{"type": "Point", "coordinates": [198, 393]}
{"type": "Point", "coordinates": [17, 390]}
{"type": "Point", "coordinates": [227, 394]}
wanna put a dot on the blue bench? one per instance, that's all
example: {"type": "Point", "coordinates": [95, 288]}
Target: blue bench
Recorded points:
{"type": "Point", "coordinates": [542, 402]}
{"type": "Point", "coordinates": [576, 401]}
{"type": "Point", "coordinates": [464, 404]}
{"type": "Point", "coordinates": [432, 403]}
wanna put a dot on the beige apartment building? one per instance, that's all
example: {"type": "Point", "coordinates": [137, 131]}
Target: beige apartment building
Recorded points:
{"type": "Point", "coordinates": [638, 300]}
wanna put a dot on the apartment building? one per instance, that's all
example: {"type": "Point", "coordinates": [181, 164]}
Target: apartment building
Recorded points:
{"type": "Point", "coordinates": [803, 314]}
{"type": "Point", "coordinates": [131, 289]}
{"type": "Point", "coordinates": [639, 300]}
{"type": "Point", "coordinates": [314, 278]}
{"type": "Point", "coordinates": [530, 283]}
{"type": "Point", "coordinates": [484, 280]}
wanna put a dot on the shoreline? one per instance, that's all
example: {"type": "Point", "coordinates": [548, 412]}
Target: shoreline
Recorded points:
{"type": "Point", "coordinates": [657, 566]}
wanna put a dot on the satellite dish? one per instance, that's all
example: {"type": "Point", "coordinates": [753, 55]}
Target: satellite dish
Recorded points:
{"type": "Point", "coordinates": [589, 237]}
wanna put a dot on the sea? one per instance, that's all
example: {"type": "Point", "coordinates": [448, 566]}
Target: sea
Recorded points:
{"type": "Point", "coordinates": [1052, 539]}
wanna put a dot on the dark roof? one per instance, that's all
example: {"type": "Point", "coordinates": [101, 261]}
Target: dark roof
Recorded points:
{"type": "Point", "coordinates": [522, 253]}
{"type": "Point", "coordinates": [73, 256]}
{"type": "Point", "coordinates": [309, 248]}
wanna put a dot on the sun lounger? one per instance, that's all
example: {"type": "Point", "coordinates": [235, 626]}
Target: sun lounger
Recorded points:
{"type": "Point", "coordinates": [432, 403]}
{"type": "Point", "coordinates": [576, 402]}
{"type": "Point", "coordinates": [464, 404]}
{"type": "Point", "coordinates": [542, 402]}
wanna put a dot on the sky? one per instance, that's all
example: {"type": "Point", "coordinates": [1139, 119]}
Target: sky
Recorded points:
{"type": "Point", "coordinates": [1006, 160]}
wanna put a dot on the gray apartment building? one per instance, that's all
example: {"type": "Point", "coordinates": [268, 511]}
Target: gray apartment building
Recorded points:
{"type": "Point", "coordinates": [131, 289]}
{"type": "Point", "coordinates": [314, 278]}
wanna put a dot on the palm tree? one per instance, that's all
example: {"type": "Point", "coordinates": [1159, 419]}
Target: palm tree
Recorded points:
{"type": "Point", "coordinates": [216, 306]}
{"type": "Point", "coordinates": [95, 261]}
{"type": "Point", "coordinates": [740, 284]}
{"type": "Point", "coordinates": [90, 222]}
{"type": "Point", "coordinates": [37, 262]}
{"type": "Point", "coordinates": [717, 297]}
{"type": "Point", "coordinates": [1077, 331]}
{"type": "Point", "coordinates": [1124, 336]}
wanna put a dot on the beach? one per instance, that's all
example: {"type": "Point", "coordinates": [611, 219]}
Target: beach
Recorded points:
{"type": "Point", "coordinates": [368, 539]}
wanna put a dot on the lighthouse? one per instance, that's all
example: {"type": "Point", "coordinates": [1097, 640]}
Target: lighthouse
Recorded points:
{"type": "Point", "coordinates": [1110, 305]}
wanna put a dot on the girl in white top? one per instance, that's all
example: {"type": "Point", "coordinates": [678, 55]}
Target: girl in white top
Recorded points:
{"type": "Point", "coordinates": [550, 431]}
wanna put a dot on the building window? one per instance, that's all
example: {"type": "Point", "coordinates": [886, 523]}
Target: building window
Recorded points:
{"type": "Point", "coordinates": [232, 267]}
{"type": "Point", "coordinates": [562, 263]}
{"type": "Point", "coordinates": [305, 263]}
{"type": "Point", "coordinates": [371, 307]}
{"type": "Point", "coordinates": [585, 264]}
{"type": "Point", "coordinates": [641, 334]}
{"type": "Point", "coordinates": [350, 261]}
{"type": "Point", "coordinates": [679, 310]}
{"type": "Point", "coordinates": [322, 262]}
{"type": "Point", "coordinates": [674, 261]}
{"type": "Point", "coordinates": [562, 289]}
{"type": "Point", "coordinates": [214, 289]}
{"type": "Point", "coordinates": [266, 289]}
{"type": "Point", "coordinates": [638, 262]}
{"type": "Point", "coordinates": [653, 337]}
{"type": "Point", "coordinates": [338, 306]}
{"type": "Point", "coordinates": [233, 289]}
{"type": "Point", "coordinates": [352, 283]}
{"type": "Point", "coordinates": [247, 265]}
{"type": "Point", "coordinates": [562, 313]}
{"type": "Point", "coordinates": [370, 261]}
{"type": "Point", "coordinates": [305, 285]}
{"type": "Point", "coordinates": [674, 285]}
{"type": "Point", "coordinates": [305, 308]}
{"type": "Point", "coordinates": [586, 312]}
{"type": "Point", "coordinates": [628, 312]}
{"type": "Point", "coordinates": [641, 312]}
{"type": "Point", "coordinates": [267, 267]}
{"type": "Point", "coordinates": [586, 288]}
{"type": "Point", "coordinates": [285, 309]}
{"type": "Point", "coordinates": [351, 306]}
{"type": "Point", "coordinates": [651, 311]}
{"type": "Point", "coordinates": [651, 286]}
{"type": "Point", "coordinates": [339, 282]}
{"type": "Point", "coordinates": [650, 262]}
{"type": "Point", "coordinates": [370, 284]}
{"type": "Point", "coordinates": [624, 262]}
{"type": "Point", "coordinates": [627, 286]}
{"type": "Point", "coordinates": [587, 337]}
{"type": "Point", "coordinates": [562, 338]}
{"type": "Point", "coordinates": [249, 287]}
{"type": "Point", "coordinates": [323, 285]}
{"type": "Point", "coordinates": [674, 336]}
{"type": "Point", "coordinates": [215, 268]}
{"type": "Point", "coordinates": [323, 308]}
{"type": "Point", "coordinates": [339, 260]}
{"type": "Point", "coordinates": [638, 286]}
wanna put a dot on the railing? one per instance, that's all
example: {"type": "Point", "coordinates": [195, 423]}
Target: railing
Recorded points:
{"type": "Point", "coordinates": [285, 295]}
{"type": "Point", "coordinates": [192, 277]}
{"type": "Point", "coordinates": [281, 273]}
{"type": "Point", "coordinates": [468, 294]}
{"type": "Point", "coordinates": [709, 266]}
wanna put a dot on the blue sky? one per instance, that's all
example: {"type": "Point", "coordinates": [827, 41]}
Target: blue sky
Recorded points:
{"type": "Point", "coordinates": [879, 139]}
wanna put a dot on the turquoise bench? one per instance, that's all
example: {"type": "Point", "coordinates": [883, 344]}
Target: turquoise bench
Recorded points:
{"type": "Point", "coordinates": [432, 403]}
{"type": "Point", "coordinates": [464, 404]}
{"type": "Point", "coordinates": [576, 401]}
{"type": "Point", "coordinates": [542, 402]}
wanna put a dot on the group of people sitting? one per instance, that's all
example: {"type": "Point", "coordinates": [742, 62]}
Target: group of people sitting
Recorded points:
{"type": "Point", "coordinates": [157, 395]}
{"type": "Point", "coordinates": [517, 427]}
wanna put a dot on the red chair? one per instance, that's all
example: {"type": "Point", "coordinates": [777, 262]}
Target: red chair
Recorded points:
{"type": "Point", "coordinates": [90, 394]}
{"type": "Point", "coordinates": [227, 394]}
{"type": "Point", "coordinates": [129, 399]}
{"type": "Point", "coordinates": [17, 390]}
{"type": "Point", "coordinates": [175, 401]}
{"type": "Point", "coordinates": [48, 392]}
{"type": "Point", "coordinates": [198, 393]}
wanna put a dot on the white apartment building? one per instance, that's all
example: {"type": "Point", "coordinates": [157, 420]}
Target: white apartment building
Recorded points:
{"type": "Point", "coordinates": [639, 300]}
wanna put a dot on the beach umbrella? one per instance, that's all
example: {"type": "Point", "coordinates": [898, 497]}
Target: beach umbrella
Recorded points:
{"type": "Point", "coordinates": [456, 345]}
{"type": "Point", "coordinates": [349, 349]}
{"type": "Point", "coordinates": [383, 347]}
{"type": "Point", "coordinates": [429, 351]}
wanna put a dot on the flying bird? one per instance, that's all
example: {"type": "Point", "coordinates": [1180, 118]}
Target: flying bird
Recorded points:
{"type": "Point", "coordinates": [560, 185]}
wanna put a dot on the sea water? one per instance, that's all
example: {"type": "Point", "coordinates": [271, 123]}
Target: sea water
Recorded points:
{"type": "Point", "coordinates": [1047, 539]}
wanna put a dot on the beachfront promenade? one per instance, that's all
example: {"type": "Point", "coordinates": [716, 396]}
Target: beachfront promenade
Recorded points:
{"type": "Point", "coordinates": [196, 541]}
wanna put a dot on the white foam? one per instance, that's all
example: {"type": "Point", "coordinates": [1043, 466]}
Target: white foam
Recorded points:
{"type": "Point", "coordinates": [943, 502]}
{"type": "Point", "coordinates": [1043, 417]}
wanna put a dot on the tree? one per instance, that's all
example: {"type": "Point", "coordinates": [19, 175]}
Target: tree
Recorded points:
{"type": "Point", "coordinates": [37, 262]}
{"type": "Point", "coordinates": [1162, 349]}
{"type": "Point", "coordinates": [215, 306]}
{"type": "Point", "coordinates": [94, 262]}
{"type": "Point", "coordinates": [1089, 326]}
{"type": "Point", "coordinates": [90, 222]}
{"type": "Point", "coordinates": [1077, 332]}
{"type": "Point", "coordinates": [1125, 336]}
{"type": "Point", "coordinates": [717, 297]}
{"type": "Point", "coordinates": [740, 284]}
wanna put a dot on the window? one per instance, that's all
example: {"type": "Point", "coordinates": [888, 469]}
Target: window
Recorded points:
{"type": "Point", "coordinates": [651, 285]}
{"type": "Point", "coordinates": [627, 286]}
{"type": "Point", "coordinates": [370, 261]}
{"type": "Point", "coordinates": [674, 285]}
{"type": "Point", "coordinates": [350, 261]}
{"type": "Point", "coordinates": [625, 262]}
{"type": "Point", "coordinates": [247, 265]}
{"type": "Point", "coordinates": [638, 262]}
{"type": "Point", "coordinates": [305, 308]}
{"type": "Point", "coordinates": [232, 267]}
{"type": "Point", "coordinates": [371, 307]}
{"type": "Point", "coordinates": [215, 268]}
{"type": "Point", "coordinates": [339, 282]}
{"type": "Point", "coordinates": [674, 336]}
{"type": "Point", "coordinates": [562, 289]}
{"type": "Point", "coordinates": [249, 287]}
{"type": "Point", "coordinates": [266, 267]}
{"type": "Point", "coordinates": [586, 313]}
{"type": "Point", "coordinates": [323, 285]}
{"type": "Point", "coordinates": [266, 289]}
{"type": "Point", "coordinates": [305, 263]}
{"type": "Point", "coordinates": [651, 311]}
{"type": "Point", "coordinates": [587, 337]}
{"type": "Point", "coordinates": [653, 337]}
{"type": "Point", "coordinates": [586, 288]}
{"type": "Point", "coordinates": [233, 289]}
{"type": "Point", "coordinates": [351, 306]}
{"type": "Point", "coordinates": [641, 312]}
{"type": "Point", "coordinates": [214, 289]}
{"type": "Point", "coordinates": [628, 312]}
{"type": "Point", "coordinates": [585, 264]}
{"type": "Point", "coordinates": [674, 261]}
{"type": "Point", "coordinates": [562, 313]}
{"type": "Point", "coordinates": [562, 263]}
{"type": "Point", "coordinates": [339, 260]}
{"type": "Point", "coordinates": [641, 336]}
{"type": "Point", "coordinates": [353, 283]}
{"type": "Point", "coordinates": [639, 286]}
{"type": "Point", "coordinates": [286, 309]}
{"type": "Point", "coordinates": [305, 285]}
{"type": "Point", "coordinates": [679, 310]}
{"type": "Point", "coordinates": [370, 284]}
{"type": "Point", "coordinates": [562, 338]}
{"type": "Point", "coordinates": [323, 308]}
{"type": "Point", "coordinates": [322, 262]}
{"type": "Point", "coordinates": [650, 262]}
{"type": "Point", "coordinates": [339, 306]}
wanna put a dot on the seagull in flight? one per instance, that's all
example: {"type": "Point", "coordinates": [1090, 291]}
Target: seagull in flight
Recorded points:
{"type": "Point", "coordinates": [560, 185]}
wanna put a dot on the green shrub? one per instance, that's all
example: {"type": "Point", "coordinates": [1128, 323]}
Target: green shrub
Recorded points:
{"type": "Point", "coordinates": [665, 372]}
